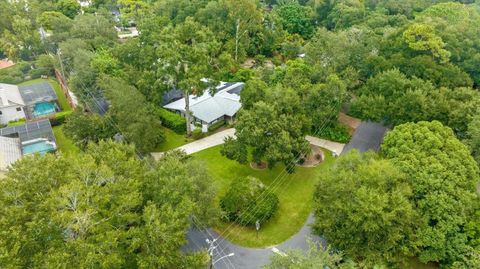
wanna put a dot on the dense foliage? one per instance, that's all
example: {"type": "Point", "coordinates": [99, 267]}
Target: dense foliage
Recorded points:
{"type": "Point", "coordinates": [303, 61]}
{"type": "Point", "coordinates": [443, 177]}
{"type": "Point", "coordinates": [248, 201]}
{"type": "Point", "coordinates": [105, 208]}
{"type": "Point", "coordinates": [362, 208]}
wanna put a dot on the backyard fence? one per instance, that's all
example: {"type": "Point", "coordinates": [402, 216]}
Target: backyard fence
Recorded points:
{"type": "Point", "coordinates": [72, 100]}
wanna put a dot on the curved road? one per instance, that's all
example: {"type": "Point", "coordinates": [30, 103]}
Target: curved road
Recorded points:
{"type": "Point", "coordinates": [368, 136]}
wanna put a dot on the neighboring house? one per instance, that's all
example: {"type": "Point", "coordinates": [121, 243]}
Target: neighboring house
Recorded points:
{"type": "Point", "coordinates": [10, 151]}
{"type": "Point", "coordinates": [11, 104]}
{"type": "Point", "coordinates": [40, 100]}
{"type": "Point", "coordinates": [34, 137]}
{"type": "Point", "coordinates": [207, 109]}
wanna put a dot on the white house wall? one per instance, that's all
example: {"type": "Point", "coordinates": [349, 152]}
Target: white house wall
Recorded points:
{"type": "Point", "coordinates": [11, 114]}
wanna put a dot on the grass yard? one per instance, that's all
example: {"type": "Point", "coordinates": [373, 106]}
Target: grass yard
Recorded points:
{"type": "Point", "coordinates": [62, 100]}
{"type": "Point", "coordinates": [64, 144]}
{"type": "Point", "coordinates": [172, 140]}
{"type": "Point", "coordinates": [295, 194]}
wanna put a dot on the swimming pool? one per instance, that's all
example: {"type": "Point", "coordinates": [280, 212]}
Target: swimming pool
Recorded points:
{"type": "Point", "coordinates": [41, 146]}
{"type": "Point", "coordinates": [43, 108]}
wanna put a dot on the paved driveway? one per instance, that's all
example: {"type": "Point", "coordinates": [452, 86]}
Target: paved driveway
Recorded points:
{"type": "Point", "coordinates": [218, 139]}
{"type": "Point", "coordinates": [201, 144]}
{"type": "Point", "coordinates": [367, 136]}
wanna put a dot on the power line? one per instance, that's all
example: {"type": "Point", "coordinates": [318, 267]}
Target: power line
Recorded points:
{"type": "Point", "coordinates": [280, 178]}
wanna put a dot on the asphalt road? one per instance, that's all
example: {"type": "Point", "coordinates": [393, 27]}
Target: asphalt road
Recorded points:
{"type": "Point", "coordinates": [368, 136]}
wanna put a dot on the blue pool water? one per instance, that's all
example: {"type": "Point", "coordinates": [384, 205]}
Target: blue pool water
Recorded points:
{"type": "Point", "coordinates": [43, 108]}
{"type": "Point", "coordinates": [41, 147]}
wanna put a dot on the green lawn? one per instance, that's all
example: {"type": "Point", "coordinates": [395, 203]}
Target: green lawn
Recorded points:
{"type": "Point", "coordinates": [62, 100]}
{"type": "Point", "coordinates": [295, 194]}
{"type": "Point", "coordinates": [64, 144]}
{"type": "Point", "coordinates": [172, 140]}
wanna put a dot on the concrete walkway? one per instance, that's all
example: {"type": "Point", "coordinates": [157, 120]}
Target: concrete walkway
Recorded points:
{"type": "Point", "coordinates": [218, 139]}
{"type": "Point", "coordinates": [201, 144]}
{"type": "Point", "coordinates": [326, 144]}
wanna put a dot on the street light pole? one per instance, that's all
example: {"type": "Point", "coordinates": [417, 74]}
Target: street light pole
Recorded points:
{"type": "Point", "coordinates": [211, 247]}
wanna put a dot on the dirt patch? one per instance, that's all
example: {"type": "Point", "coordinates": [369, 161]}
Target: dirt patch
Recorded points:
{"type": "Point", "coordinates": [6, 63]}
{"type": "Point", "coordinates": [259, 166]}
{"type": "Point", "coordinates": [351, 122]}
{"type": "Point", "coordinates": [316, 157]}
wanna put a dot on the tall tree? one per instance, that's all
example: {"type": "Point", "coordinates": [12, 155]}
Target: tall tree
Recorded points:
{"type": "Point", "coordinates": [443, 176]}
{"type": "Point", "coordinates": [275, 130]}
{"type": "Point", "coordinates": [362, 207]}
{"type": "Point", "coordinates": [474, 137]}
{"type": "Point", "coordinates": [131, 114]}
{"type": "Point", "coordinates": [93, 210]}
{"type": "Point", "coordinates": [186, 60]}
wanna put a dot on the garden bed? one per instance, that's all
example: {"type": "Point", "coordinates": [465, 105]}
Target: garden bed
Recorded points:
{"type": "Point", "coordinates": [313, 159]}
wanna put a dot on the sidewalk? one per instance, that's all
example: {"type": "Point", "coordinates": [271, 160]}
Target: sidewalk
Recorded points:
{"type": "Point", "coordinates": [326, 144]}
{"type": "Point", "coordinates": [218, 139]}
{"type": "Point", "coordinates": [201, 144]}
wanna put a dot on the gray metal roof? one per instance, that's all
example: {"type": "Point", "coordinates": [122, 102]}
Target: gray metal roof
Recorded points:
{"type": "Point", "coordinates": [30, 130]}
{"type": "Point", "coordinates": [209, 108]}
{"type": "Point", "coordinates": [10, 95]}
{"type": "Point", "coordinates": [38, 92]}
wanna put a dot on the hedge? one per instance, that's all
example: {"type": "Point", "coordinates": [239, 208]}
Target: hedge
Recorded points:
{"type": "Point", "coordinates": [59, 118]}
{"type": "Point", "coordinates": [216, 125]}
{"type": "Point", "coordinates": [172, 121]}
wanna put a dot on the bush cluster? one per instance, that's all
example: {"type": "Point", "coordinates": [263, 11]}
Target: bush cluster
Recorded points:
{"type": "Point", "coordinates": [59, 118]}
{"type": "Point", "coordinates": [338, 133]}
{"type": "Point", "coordinates": [243, 204]}
{"type": "Point", "coordinates": [172, 121]}
{"type": "Point", "coordinates": [216, 125]}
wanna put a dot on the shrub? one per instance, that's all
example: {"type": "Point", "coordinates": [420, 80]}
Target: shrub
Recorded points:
{"type": "Point", "coordinates": [197, 134]}
{"type": "Point", "coordinates": [337, 133]}
{"type": "Point", "coordinates": [172, 121]}
{"type": "Point", "coordinates": [240, 202]}
{"type": "Point", "coordinates": [59, 118]}
{"type": "Point", "coordinates": [216, 125]}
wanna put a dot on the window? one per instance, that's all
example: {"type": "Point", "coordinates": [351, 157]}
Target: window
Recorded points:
{"type": "Point", "coordinates": [0, 112]}
{"type": "Point", "coordinates": [19, 109]}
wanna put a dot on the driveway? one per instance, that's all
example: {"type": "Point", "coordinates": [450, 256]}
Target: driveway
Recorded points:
{"type": "Point", "coordinates": [219, 138]}
{"type": "Point", "coordinates": [201, 144]}
{"type": "Point", "coordinates": [367, 136]}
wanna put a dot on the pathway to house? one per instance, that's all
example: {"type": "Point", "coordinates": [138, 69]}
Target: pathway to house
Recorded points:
{"type": "Point", "coordinates": [367, 136]}
{"type": "Point", "coordinates": [219, 138]}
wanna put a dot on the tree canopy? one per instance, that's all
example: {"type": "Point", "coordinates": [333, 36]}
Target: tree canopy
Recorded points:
{"type": "Point", "coordinates": [362, 207]}
{"type": "Point", "coordinates": [443, 177]}
{"type": "Point", "coordinates": [104, 208]}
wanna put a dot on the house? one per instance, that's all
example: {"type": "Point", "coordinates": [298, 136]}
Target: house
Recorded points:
{"type": "Point", "coordinates": [11, 104]}
{"type": "Point", "coordinates": [40, 100]}
{"type": "Point", "coordinates": [209, 109]}
{"type": "Point", "coordinates": [26, 139]}
{"type": "Point", "coordinates": [34, 137]}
